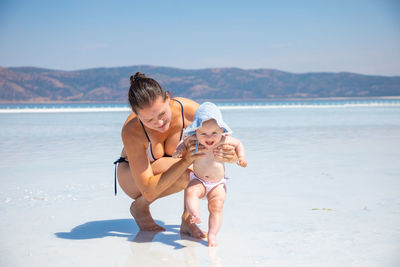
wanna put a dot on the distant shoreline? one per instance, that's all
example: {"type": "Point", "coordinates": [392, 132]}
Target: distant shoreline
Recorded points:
{"type": "Point", "coordinates": [6, 102]}
{"type": "Point", "coordinates": [61, 107]}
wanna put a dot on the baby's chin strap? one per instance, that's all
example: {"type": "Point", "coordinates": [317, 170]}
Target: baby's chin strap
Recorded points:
{"type": "Point", "coordinates": [197, 147]}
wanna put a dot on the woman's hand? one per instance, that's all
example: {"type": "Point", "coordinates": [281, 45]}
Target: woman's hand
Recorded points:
{"type": "Point", "coordinates": [225, 153]}
{"type": "Point", "coordinates": [193, 151]}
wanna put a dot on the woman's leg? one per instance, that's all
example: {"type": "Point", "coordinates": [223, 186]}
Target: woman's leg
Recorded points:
{"type": "Point", "coordinates": [126, 181]}
{"type": "Point", "coordinates": [128, 185]}
{"type": "Point", "coordinates": [140, 207]}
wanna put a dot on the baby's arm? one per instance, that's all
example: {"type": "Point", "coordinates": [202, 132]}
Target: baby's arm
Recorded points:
{"type": "Point", "coordinates": [239, 148]}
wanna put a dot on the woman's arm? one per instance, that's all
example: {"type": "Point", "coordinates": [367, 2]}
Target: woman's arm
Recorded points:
{"type": "Point", "coordinates": [151, 185]}
{"type": "Point", "coordinates": [226, 153]}
{"type": "Point", "coordinates": [182, 146]}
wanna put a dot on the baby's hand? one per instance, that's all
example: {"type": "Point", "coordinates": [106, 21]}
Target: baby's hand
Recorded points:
{"type": "Point", "coordinates": [195, 219]}
{"type": "Point", "coordinates": [242, 162]}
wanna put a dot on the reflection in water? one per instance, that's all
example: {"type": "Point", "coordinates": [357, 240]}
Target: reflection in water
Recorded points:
{"type": "Point", "coordinates": [148, 248]}
{"type": "Point", "coordinates": [144, 250]}
{"type": "Point", "coordinates": [143, 255]}
{"type": "Point", "coordinates": [215, 261]}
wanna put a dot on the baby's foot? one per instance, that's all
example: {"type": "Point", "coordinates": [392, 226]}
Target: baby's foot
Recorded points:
{"type": "Point", "coordinates": [195, 219]}
{"type": "Point", "coordinates": [212, 240]}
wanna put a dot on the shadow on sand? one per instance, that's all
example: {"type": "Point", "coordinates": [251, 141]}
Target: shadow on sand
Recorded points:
{"type": "Point", "coordinates": [127, 228]}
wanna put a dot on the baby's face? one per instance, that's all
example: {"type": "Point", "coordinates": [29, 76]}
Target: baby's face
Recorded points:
{"type": "Point", "coordinates": [209, 134]}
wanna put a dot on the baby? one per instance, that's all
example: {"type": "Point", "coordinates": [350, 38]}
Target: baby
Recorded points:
{"type": "Point", "coordinates": [208, 177]}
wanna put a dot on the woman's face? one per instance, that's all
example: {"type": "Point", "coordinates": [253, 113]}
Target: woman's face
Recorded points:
{"type": "Point", "coordinates": [157, 116]}
{"type": "Point", "coordinates": [209, 134]}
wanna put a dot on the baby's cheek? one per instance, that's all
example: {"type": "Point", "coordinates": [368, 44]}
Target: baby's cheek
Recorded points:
{"type": "Point", "coordinates": [202, 141]}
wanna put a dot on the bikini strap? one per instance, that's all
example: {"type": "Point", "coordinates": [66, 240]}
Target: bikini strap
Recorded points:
{"type": "Point", "coordinates": [183, 117]}
{"type": "Point", "coordinates": [183, 127]}
{"type": "Point", "coordinates": [121, 159]}
{"type": "Point", "coordinates": [148, 139]}
{"type": "Point", "coordinates": [144, 131]}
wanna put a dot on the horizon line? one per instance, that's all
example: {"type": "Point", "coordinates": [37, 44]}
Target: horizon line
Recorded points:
{"type": "Point", "coordinates": [198, 69]}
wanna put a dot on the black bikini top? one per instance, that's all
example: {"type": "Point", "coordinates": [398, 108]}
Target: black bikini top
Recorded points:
{"type": "Point", "coordinates": [183, 127]}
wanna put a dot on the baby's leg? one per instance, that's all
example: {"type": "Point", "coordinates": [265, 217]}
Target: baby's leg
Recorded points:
{"type": "Point", "coordinates": [216, 198]}
{"type": "Point", "coordinates": [193, 192]}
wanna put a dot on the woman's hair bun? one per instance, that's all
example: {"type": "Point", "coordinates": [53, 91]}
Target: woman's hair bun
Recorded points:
{"type": "Point", "coordinates": [144, 91]}
{"type": "Point", "coordinates": [137, 76]}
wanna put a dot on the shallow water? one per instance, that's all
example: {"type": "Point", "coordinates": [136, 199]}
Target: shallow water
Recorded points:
{"type": "Point", "coordinates": [321, 189]}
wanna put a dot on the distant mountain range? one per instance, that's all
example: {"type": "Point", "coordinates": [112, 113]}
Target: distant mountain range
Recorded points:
{"type": "Point", "coordinates": [30, 84]}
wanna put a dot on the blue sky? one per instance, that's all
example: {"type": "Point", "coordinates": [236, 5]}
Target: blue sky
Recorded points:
{"type": "Point", "coordinates": [295, 36]}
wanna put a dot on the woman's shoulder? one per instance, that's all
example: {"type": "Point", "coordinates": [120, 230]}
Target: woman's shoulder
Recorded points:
{"type": "Point", "coordinates": [189, 106]}
{"type": "Point", "coordinates": [131, 128]}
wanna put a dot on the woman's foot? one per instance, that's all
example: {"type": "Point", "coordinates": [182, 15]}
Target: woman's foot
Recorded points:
{"type": "Point", "coordinates": [191, 229]}
{"type": "Point", "coordinates": [141, 212]}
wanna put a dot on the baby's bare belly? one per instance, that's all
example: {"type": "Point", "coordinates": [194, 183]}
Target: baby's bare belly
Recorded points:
{"type": "Point", "coordinates": [208, 169]}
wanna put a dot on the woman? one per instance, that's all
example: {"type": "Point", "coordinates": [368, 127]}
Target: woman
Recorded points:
{"type": "Point", "coordinates": [146, 171]}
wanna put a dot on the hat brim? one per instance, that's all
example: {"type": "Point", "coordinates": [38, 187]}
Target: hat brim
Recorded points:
{"type": "Point", "coordinates": [191, 129]}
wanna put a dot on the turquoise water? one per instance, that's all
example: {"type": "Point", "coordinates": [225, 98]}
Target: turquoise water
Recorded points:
{"type": "Point", "coordinates": [321, 189]}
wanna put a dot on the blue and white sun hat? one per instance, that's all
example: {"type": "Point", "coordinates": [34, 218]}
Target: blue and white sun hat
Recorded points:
{"type": "Point", "coordinates": [205, 112]}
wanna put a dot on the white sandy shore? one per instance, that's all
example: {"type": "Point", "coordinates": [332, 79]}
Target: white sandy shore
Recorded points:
{"type": "Point", "coordinates": [321, 190]}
